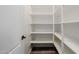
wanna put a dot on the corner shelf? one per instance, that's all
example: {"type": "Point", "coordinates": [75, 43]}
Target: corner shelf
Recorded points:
{"type": "Point", "coordinates": [58, 35]}
{"type": "Point", "coordinates": [73, 46]}
{"type": "Point", "coordinates": [67, 50]}
{"type": "Point", "coordinates": [58, 47]}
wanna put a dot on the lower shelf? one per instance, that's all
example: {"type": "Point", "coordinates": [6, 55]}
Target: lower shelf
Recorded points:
{"type": "Point", "coordinates": [67, 50]}
{"type": "Point", "coordinates": [69, 46]}
{"type": "Point", "coordinates": [58, 47]}
{"type": "Point", "coordinates": [41, 41]}
{"type": "Point", "coordinates": [72, 45]}
{"type": "Point", "coordinates": [57, 43]}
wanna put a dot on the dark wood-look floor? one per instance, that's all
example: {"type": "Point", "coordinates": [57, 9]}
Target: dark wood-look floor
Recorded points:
{"type": "Point", "coordinates": [44, 50]}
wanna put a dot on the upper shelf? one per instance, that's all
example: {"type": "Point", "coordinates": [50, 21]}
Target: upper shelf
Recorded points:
{"type": "Point", "coordinates": [72, 45]}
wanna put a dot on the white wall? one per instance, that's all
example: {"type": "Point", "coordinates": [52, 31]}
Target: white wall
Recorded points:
{"type": "Point", "coordinates": [57, 18]}
{"type": "Point", "coordinates": [57, 14]}
{"type": "Point", "coordinates": [12, 27]}
{"type": "Point", "coordinates": [46, 9]}
{"type": "Point", "coordinates": [71, 14]}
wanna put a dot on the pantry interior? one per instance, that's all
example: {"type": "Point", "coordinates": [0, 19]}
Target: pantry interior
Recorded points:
{"type": "Point", "coordinates": [39, 29]}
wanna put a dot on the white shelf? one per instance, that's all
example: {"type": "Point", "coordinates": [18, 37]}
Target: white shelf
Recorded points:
{"type": "Point", "coordinates": [42, 24]}
{"type": "Point", "coordinates": [57, 42]}
{"type": "Point", "coordinates": [67, 50]}
{"type": "Point", "coordinates": [70, 21]}
{"type": "Point", "coordinates": [41, 32]}
{"type": "Point", "coordinates": [58, 35]}
{"type": "Point", "coordinates": [73, 46]}
{"type": "Point", "coordinates": [41, 14]}
{"type": "Point", "coordinates": [44, 37]}
{"type": "Point", "coordinates": [58, 47]}
{"type": "Point", "coordinates": [41, 41]}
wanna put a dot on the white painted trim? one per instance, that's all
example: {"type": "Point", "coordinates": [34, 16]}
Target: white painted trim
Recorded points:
{"type": "Point", "coordinates": [62, 31]}
{"type": "Point", "coordinates": [29, 50]}
{"type": "Point", "coordinates": [41, 32]}
{"type": "Point", "coordinates": [18, 45]}
{"type": "Point", "coordinates": [53, 21]}
{"type": "Point", "coordinates": [41, 41]}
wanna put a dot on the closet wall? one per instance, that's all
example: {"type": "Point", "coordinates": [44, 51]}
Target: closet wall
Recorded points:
{"type": "Point", "coordinates": [70, 27]}
{"type": "Point", "coordinates": [36, 23]}
{"type": "Point", "coordinates": [14, 22]}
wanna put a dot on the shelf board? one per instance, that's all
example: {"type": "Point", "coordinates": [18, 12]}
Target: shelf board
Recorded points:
{"type": "Point", "coordinates": [41, 32]}
{"type": "Point", "coordinates": [41, 24]}
{"type": "Point", "coordinates": [64, 22]}
{"type": "Point", "coordinates": [73, 46]}
{"type": "Point", "coordinates": [44, 23]}
{"type": "Point", "coordinates": [71, 21]}
{"type": "Point", "coordinates": [58, 35]}
{"type": "Point", "coordinates": [41, 41]}
{"type": "Point", "coordinates": [58, 47]}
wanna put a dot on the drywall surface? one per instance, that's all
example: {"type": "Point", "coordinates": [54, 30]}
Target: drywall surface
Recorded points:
{"type": "Point", "coordinates": [70, 12]}
{"type": "Point", "coordinates": [10, 27]}
{"type": "Point", "coordinates": [71, 31]}
{"type": "Point", "coordinates": [42, 9]}
{"type": "Point", "coordinates": [57, 14]}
